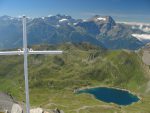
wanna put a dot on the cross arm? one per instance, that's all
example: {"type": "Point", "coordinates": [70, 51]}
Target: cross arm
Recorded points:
{"type": "Point", "coordinates": [11, 53]}
{"type": "Point", "coordinates": [45, 52]}
{"type": "Point", "coordinates": [30, 52]}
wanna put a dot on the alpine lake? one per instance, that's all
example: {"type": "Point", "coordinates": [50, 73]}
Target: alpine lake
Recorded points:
{"type": "Point", "coordinates": [111, 95]}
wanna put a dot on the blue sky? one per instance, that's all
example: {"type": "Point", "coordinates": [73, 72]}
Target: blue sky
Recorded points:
{"type": "Point", "coordinates": [121, 10]}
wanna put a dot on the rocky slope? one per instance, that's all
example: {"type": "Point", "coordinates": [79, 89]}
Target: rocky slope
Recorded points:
{"type": "Point", "coordinates": [98, 30]}
{"type": "Point", "coordinates": [146, 54]}
{"type": "Point", "coordinates": [6, 102]}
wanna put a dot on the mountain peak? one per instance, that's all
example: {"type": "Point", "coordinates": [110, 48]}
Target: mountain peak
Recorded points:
{"type": "Point", "coordinates": [63, 16]}
{"type": "Point", "coordinates": [99, 18]}
{"type": "Point", "coordinates": [103, 19]}
{"type": "Point", "coordinates": [5, 17]}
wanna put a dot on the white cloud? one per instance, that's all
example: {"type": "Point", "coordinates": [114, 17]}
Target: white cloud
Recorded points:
{"type": "Point", "coordinates": [142, 37]}
{"type": "Point", "coordinates": [134, 23]}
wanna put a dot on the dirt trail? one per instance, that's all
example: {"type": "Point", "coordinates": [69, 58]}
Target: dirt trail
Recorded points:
{"type": "Point", "coordinates": [85, 107]}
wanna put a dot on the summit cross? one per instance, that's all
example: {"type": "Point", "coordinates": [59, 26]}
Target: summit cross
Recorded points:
{"type": "Point", "coordinates": [25, 52]}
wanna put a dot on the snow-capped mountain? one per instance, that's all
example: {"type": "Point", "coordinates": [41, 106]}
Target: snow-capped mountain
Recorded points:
{"type": "Point", "coordinates": [145, 27]}
{"type": "Point", "coordinates": [98, 30]}
{"type": "Point", "coordinates": [59, 20]}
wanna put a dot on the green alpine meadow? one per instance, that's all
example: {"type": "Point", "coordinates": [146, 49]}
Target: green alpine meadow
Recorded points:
{"type": "Point", "coordinates": [53, 79]}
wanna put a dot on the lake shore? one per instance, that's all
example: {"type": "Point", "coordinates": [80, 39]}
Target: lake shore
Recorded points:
{"type": "Point", "coordinates": [133, 93]}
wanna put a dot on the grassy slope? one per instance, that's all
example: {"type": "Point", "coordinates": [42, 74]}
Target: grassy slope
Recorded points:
{"type": "Point", "coordinates": [53, 78]}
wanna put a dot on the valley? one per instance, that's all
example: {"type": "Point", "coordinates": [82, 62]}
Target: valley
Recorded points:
{"type": "Point", "coordinates": [53, 79]}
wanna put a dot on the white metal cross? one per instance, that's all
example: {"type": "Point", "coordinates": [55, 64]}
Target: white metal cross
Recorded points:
{"type": "Point", "coordinates": [25, 52]}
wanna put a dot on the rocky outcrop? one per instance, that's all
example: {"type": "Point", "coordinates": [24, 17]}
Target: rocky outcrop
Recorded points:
{"type": "Point", "coordinates": [16, 109]}
{"type": "Point", "coordinates": [146, 54]}
{"type": "Point", "coordinates": [6, 102]}
{"type": "Point", "coordinates": [37, 110]}
{"type": "Point", "coordinates": [146, 57]}
{"type": "Point", "coordinates": [8, 105]}
{"type": "Point", "coordinates": [57, 111]}
{"type": "Point", "coordinates": [40, 110]}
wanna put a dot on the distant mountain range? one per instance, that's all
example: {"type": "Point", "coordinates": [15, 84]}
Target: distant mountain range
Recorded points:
{"type": "Point", "coordinates": [98, 30]}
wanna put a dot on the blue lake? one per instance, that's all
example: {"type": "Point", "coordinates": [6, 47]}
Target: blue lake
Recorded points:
{"type": "Point", "coordinates": [112, 95]}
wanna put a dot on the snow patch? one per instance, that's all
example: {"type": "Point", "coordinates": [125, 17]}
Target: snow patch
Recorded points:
{"type": "Point", "coordinates": [63, 20]}
{"type": "Point", "coordinates": [84, 20]}
{"type": "Point", "coordinates": [146, 29]}
{"type": "Point", "coordinates": [49, 15]}
{"type": "Point", "coordinates": [101, 19]}
{"type": "Point", "coordinates": [142, 37]}
{"type": "Point", "coordinates": [75, 23]}
{"type": "Point", "coordinates": [43, 17]}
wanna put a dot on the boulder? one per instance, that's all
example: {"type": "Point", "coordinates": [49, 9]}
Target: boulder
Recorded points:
{"type": "Point", "coordinates": [16, 109]}
{"type": "Point", "coordinates": [6, 111]}
{"type": "Point", "coordinates": [37, 110]}
{"type": "Point", "coordinates": [57, 111]}
{"type": "Point", "coordinates": [6, 102]}
{"type": "Point", "coordinates": [46, 112]}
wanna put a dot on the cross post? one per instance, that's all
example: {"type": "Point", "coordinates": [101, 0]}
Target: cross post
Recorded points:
{"type": "Point", "coordinates": [25, 52]}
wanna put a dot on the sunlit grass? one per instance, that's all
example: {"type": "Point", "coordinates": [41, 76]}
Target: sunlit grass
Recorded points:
{"type": "Point", "coordinates": [53, 79]}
